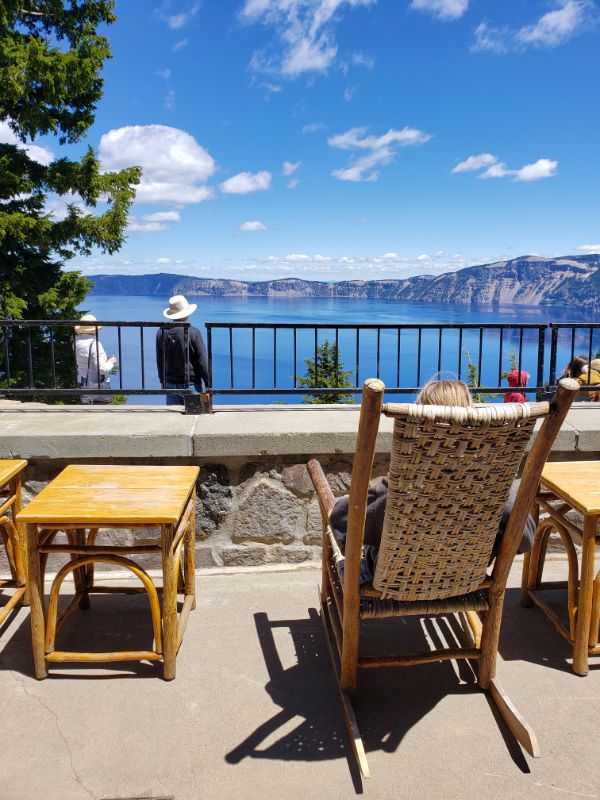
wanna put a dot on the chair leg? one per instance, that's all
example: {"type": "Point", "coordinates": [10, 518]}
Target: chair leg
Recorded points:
{"type": "Point", "coordinates": [349, 715]}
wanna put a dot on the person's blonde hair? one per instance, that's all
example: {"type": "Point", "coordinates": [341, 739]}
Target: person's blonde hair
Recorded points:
{"type": "Point", "coordinates": [445, 393]}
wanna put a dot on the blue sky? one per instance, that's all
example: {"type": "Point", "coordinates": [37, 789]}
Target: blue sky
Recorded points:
{"type": "Point", "coordinates": [349, 139]}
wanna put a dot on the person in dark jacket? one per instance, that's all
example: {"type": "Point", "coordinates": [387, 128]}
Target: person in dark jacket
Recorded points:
{"type": "Point", "coordinates": [436, 392]}
{"type": "Point", "coordinates": [171, 357]}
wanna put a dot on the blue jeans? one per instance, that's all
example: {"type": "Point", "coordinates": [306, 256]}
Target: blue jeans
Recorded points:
{"type": "Point", "coordinates": [177, 399]}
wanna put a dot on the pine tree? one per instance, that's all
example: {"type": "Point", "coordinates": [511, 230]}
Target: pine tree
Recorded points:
{"type": "Point", "coordinates": [324, 372]}
{"type": "Point", "coordinates": [51, 58]}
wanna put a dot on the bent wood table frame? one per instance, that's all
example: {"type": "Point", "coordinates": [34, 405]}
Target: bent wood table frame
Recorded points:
{"type": "Point", "coordinates": [12, 533]}
{"type": "Point", "coordinates": [566, 487]}
{"type": "Point", "coordinates": [79, 502]}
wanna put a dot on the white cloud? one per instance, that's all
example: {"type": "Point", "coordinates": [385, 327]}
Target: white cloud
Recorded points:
{"type": "Point", "coordinates": [322, 259]}
{"type": "Point", "coordinates": [305, 32]}
{"type": "Point", "coordinates": [591, 249]}
{"type": "Point", "coordinates": [293, 184]}
{"type": "Point", "coordinates": [363, 60]}
{"type": "Point", "coordinates": [443, 9]}
{"type": "Point", "coordinates": [349, 93]}
{"type": "Point", "coordinates": [293, 257]}
{"type": "Point", "coordinates": [289, 167]}
{"type": "Point", "coordinates": [177, 21]}
{"type": "Point", "coordinates": [538, 170]}
{"type": "Point", "coordinates": [382, 150]}
{"type": "Point", "coordinates": [163, 216]}
{"type": "Point", "coordinates": [180, 44]}
{"type": "Point", "coordinates": [542, 168]}
{"type": "Point", "coordinates": [570, 18]}
{"type": "Point", "coordinates": [313, 127]}
{"type": "Point", "coordinates": [354, 139]}
{"type": "Point", "coordinates": [145, 227]}
{"type": "Point", "coordinates": [251, 226]}
{"type": "Point", "coordinates": [475, 162]}
{"type": "Point", "coordinates": [246, 182]}
{"type": "Point", "coordinates": [175, 167]}
{"type": "Point", "coordinates": [497, 170]}
{"type": "Point", "coordinates": [35, 152]}
{"type": "Point", "coordinates": [164, 261]}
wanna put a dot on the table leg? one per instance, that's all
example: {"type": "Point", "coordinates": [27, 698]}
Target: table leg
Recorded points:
{"type": "Point", "coordinates": [189, 550]}
{"type": "Point", "coordinates": [169, 602]}
{"type": "Point", "coordinates": [36, 601]}
{"type": "Point", "coordinates": [584, 605]}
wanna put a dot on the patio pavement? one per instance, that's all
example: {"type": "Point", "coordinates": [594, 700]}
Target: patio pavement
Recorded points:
{"type": "Point", "coordinates": [253, 712]}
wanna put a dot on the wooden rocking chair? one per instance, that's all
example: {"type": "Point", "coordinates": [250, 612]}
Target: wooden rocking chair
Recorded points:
{"type": "Point", "coordinates": [450, 474]}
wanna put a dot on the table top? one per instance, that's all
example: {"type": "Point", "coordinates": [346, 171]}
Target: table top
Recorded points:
{"type": "Point", "coordinates": [577, 482]}
{"type": "Point", "coordinates": [9, 468]}
{"type": "Point", "coordinates": [98, 495]}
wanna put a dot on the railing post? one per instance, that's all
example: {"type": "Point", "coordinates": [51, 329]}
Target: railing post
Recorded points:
{"type": "Point", "coordinates": [210, 358]}
{"type": "Point", "coordinates": [553, 355]}
{"type": "Point", "coordinates": [540, 360]}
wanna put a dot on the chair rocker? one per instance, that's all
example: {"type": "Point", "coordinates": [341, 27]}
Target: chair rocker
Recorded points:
{"type": "Point", "coordinates": [451, 470]}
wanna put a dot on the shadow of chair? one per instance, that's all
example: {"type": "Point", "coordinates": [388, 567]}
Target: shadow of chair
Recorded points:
{"type": "Point", "coordinates": [302, 691]}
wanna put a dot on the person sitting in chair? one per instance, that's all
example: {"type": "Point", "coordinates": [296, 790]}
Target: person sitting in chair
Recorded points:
{"type": "Point", "coordinates": [438, 393]}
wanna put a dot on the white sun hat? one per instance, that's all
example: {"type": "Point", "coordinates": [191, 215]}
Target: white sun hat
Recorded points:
{"type": "Point", "coordinates": [87, 329]}
{"type": "Point", "coordinates": [179, 308]}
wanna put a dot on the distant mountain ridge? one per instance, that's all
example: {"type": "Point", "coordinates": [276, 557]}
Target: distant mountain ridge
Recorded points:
{"type": "Point", "coordinates": [527, 280]}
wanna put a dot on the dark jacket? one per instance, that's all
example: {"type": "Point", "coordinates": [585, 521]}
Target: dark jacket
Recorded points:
{"type": "Point", "coordinates": [170, 356]}
{"type": "Point", "coordinates": [376, 502]}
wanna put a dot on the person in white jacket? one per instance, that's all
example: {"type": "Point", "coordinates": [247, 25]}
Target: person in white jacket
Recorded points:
{"type": "Point", "coordinates": [92, 362]}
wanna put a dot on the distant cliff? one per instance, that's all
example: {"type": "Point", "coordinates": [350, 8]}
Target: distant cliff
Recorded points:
{"type": "Point", "coordinates": [528, 280]}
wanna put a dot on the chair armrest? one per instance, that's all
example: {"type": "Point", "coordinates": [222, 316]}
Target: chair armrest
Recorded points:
{"type": "Point", "coordinates": [322, 488]}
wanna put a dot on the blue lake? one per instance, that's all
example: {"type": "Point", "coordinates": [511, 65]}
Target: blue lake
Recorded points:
{"type": "Point", "coordinates": [397, 366]}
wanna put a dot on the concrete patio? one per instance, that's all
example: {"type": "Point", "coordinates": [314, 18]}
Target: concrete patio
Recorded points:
{"type": "Point", "coordinates": [253, 712]}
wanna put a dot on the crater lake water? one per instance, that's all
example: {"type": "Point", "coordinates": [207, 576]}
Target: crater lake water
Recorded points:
{"type": "Point", "coordinates": [326, 313]}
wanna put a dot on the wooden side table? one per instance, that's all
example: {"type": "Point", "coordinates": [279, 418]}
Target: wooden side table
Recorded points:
{"type": "Point", "coordinates": [80, 501]}
{"type": "Point", "coordinates": [566, 487]}
{"type": "Point", "coordinates": [11, 531]}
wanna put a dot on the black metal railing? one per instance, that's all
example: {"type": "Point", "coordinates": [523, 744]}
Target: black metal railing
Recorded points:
{"type": "Point", "coordinates": [38, 360]}
{"type": "Point", "coordinates": [404, 356]}
{"type": "Point", "coordinates": [253, 360]}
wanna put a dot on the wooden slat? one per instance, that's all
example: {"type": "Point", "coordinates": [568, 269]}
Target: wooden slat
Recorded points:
{"type": "Point", "coordinates": [577, 482]}
{"type": "Point", "coordinates": [552, 616]}
{"type": "Point", "coordinates": [10, 467]}
{"type": "Point", "coordinates": [101, 476]}
{"type": "Point", "coordinates": [63, 656]}
{"type": "Point", "coordinates": [99, 550]}
{"type": "Point", "coordinates": [412, 659]}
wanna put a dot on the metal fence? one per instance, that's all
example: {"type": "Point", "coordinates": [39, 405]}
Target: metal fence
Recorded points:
{"type": "Point", "coordinates": [37, 361]}
{"type": "Point", "coordinates": [248, 361]}
{"type": "Point", "coordinates": [403, 356]}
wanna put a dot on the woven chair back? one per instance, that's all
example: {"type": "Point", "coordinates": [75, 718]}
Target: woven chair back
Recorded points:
{"type": "Point", "coordinates": [451, 471]}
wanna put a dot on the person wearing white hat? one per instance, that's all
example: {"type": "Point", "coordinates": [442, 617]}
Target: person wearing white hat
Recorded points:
{"type": "Point", "coordinates": [93, 366]}
{"type": "Point", "coordinates": [171, 357]}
